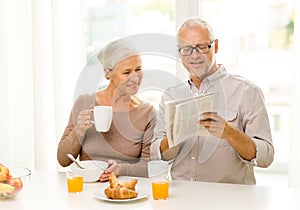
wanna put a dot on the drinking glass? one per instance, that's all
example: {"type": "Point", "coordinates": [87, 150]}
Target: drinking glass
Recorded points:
{"type": "Point", "coordinates": [74, 182]}
{"type": "Point", "coordinates": [158, 173]}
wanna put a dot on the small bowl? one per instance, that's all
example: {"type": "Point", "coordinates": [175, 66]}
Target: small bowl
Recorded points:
{"type": "Point", "coordinates": [92, 169]}
{"type": "Point", "coordinates": [18, 179]}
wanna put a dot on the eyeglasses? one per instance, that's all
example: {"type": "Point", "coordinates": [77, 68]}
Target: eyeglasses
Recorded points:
{"type": "Point", "coordinates": [188, 50]}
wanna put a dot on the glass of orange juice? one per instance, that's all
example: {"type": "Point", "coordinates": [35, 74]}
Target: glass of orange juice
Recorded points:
{"type": "Point", "coordinates": [160, 189]}
{"type": "Point", "coordinates": [74, 182]}
{"type": "Point", "coordinates": [158, 173]}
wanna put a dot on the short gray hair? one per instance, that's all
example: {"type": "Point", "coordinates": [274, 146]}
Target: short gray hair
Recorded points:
{"type": "Point", "coordinates": [196, 22]}
{"type": "Point", "coordinates": [116, 51]}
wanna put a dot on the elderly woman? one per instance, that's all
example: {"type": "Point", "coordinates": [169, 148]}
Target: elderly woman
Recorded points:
{"type": "Point", "coordinates": [126, 146]}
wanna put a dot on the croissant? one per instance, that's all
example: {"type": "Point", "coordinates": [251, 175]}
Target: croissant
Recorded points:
{"type": "Point", "coordinates": [120, 193]}
{"type": "Point", "coordinates": [120, 189]}
{"type": "Point", "coordinates": [114, 182]}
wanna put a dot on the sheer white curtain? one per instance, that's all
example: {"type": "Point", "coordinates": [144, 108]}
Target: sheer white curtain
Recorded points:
{"type": "Point", "coordinates": [294, 163]}
{"type": "Point", "coordinates": [41, 56]}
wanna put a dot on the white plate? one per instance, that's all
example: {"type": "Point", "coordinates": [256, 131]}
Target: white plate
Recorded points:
{"type": "Point", "coordinates": [102, 196]}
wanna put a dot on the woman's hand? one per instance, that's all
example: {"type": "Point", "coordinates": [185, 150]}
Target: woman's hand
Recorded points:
{"type": "Point", "coordinates": [114, 167]}
{"type": "Point", "coordinates": [84, 121]}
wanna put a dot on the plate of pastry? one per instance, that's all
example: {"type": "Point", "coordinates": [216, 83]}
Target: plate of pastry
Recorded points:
{"type": "Point", "coordinates": [103, 197]}
{"type": "Point", "coordinates": [120, 190]}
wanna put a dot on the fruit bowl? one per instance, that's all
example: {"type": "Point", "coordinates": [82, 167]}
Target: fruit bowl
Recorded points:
{"type": "Point", "coordinates": [17, 181]}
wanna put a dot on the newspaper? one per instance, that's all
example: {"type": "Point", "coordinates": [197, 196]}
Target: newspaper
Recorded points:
{"type": "Point", "coordinates": [182, 117]}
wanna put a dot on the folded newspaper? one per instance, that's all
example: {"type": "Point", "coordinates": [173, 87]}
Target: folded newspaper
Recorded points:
{"type": "Point", "coordinates": [182, 117]}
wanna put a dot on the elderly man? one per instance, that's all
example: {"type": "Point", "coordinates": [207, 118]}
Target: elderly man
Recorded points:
{"type": "Point", "coordinates": [239, 133]}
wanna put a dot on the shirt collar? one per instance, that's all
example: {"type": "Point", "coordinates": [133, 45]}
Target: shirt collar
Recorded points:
{"type": "Point", "coordinates": [211, 79]}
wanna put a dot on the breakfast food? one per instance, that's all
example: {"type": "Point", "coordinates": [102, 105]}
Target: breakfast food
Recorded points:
{"type": "Point", "coordinates": [9, 184]}
{"type": "Point", "coordinates": [4, 173]}
{"type": "Point", "coordinates": [115, 182]}
{"type": "Point", "coordinates": [118, 189]}
{"type": "Point", "coordinates": [16, 183]}
{"type": "Point", "coordinates": [6, 188]}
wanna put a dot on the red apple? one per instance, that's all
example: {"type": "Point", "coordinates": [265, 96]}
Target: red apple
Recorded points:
{"type": "Point", "coordinates": [16, 183]}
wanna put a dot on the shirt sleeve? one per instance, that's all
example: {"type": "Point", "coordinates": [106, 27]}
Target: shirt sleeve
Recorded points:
{"type": "Point", "coordinates": [256, 125]}
{"type": "Point", "coordinates": [159, 132]}
{"type": "Point", "coordinates": [69, 143]}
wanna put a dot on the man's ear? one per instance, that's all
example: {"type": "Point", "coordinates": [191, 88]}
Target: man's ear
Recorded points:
{"type": "Point", "coordinates": [216, 45]}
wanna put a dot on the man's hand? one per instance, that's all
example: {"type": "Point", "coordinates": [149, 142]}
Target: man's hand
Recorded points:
{"type": "Point", "coordinates": [164, 145]}
{"type": "Point", "coordinates": [218, 127]}
{"type": "Point", "coordinates": [214, 124]}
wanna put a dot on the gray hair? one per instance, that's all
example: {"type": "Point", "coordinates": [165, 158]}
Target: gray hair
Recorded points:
{"type": "Point", "coordinates": [197, 22]}
{"type": "Point", "coordinates": [116, 51]}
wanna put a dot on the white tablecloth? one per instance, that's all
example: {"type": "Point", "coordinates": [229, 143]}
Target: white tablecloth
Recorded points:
{"type": "Point", "coordinates": [48, 190]}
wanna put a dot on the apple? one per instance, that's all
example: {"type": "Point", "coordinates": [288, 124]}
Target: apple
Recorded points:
{"type": "Point", "coordinates": [16, 183]}
{"type": "Point", "coordinates": [4, 172]}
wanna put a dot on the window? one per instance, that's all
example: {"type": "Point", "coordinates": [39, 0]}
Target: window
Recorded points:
{"type": "Point", "coordinates": [107, 20]}
{"type": "Point", "coordinates": [255, 40]}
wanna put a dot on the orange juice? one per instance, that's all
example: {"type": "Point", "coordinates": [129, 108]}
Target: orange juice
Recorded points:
{"type": "Point", "coordinates": [75, 183]}
{"type": "Point", "coordinates": [160, 189]}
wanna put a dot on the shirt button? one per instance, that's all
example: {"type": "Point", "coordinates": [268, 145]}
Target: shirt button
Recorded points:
{"type": "Point", "coordinates": [193, 158]}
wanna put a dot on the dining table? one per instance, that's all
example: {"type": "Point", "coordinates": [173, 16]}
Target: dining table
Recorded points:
{"type": "Point", "coordinates": [48, 190]}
